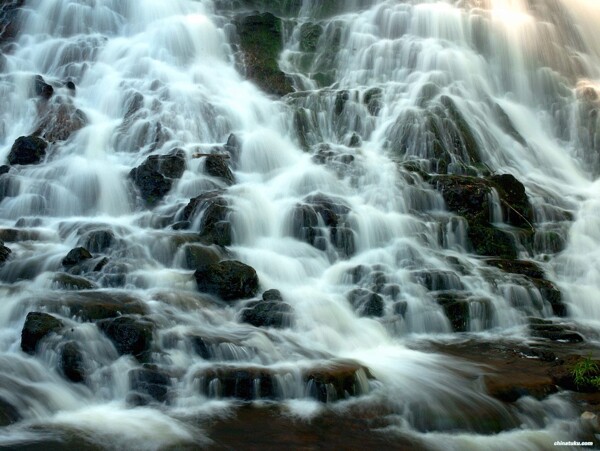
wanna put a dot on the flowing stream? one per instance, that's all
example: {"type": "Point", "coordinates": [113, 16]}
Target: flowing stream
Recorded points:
{"type": "Point", "coordinates": [514, 85]}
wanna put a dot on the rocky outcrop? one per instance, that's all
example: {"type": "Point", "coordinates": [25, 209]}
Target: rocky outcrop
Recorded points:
{"type": "Point", "coordinates": [270, 311]}
{"type": "Point", "coordinates": [155, 176]}
{"type": "Point", "coordinates": [37, 326]}
{"type": "Point", "coordinates": [261, 43]}
{"type": "Point", "coordinates": [229, 280]}
{"type": "Point", "coordinates": [27, 150]}
{"type": "Point", "coordinates": [130, 335]}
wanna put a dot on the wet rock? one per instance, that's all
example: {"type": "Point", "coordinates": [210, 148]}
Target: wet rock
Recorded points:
{"type": "Point", "coordinates": [340, 102]}
{"type": "Point", "coordinates": [271, 311]}
{"type": "Point", "coordinates": [516, 209]}
{"type": "Point", "coordinates": [130, 335]}
{"type": "Point", "coordinates": [230, 280]}
{"type": "Point", "coordinates": [37, 326]}
{"type": "Point", "coordinates": [98, 240]}
{"type": "Point", "coordinates": [155, 176]}
{"type": "Point", "coordinates": [261, 43]}
{"type": "Point", "coordinates": [243, 383]}
{"type": "Point", "coordinates": [71, 362]}
{"type": "Point", "coordinates": [372, 99]}
{"type": "Point", "coordinates": [436, 280]}
{"type": "Point", "coordinates": [10, 19]}
{"type": "Point", "coordinates": [216, 166]}
{"type": "Point", "coordinates": [41, 88]}
{"type": "Point", "coordinates": [555, 332]}
{"type": "Point", "coordinates": [150, 381]}
{"type": "Point", "coordinates": [214, 210]}
{"type": "Point", "coordinates": [76, 256]}
{"type": "Point", "coordinates": [457, 307]}
{"type": "Point", "coordinates": [510, 390]}
{"type": "Point", "coordinates": [4, 253]}
{"type": "Point", "coordinates": [4, 169]}
{"type": "Point", "coordinates": [65, 281]}
{"type": "Point", "coordinates": [309, 36]}
{"type": "Point", "coordinates": [338, 381]}
{"type": "Point", "coordinates": [8, 413]}
{"type": "Point", "coordinates": [366, 303]}
{"type": "Point", "coordinates": [197, 255]}
{"type": "Point", "coordinates": [94, 305]}
{"type": "Point", "coordinates": [27, 150]}
{"type": "Point", "coordinates": [60, 118]}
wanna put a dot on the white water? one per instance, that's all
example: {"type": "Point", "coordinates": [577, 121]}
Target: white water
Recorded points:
{"type": "Point", "coordinates": [179, 55]}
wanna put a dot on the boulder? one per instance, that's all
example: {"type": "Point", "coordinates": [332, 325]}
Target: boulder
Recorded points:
{"type": "Point", "coordinates": [197, 255]}
{"type": "Point", "coordinates": [216, 166]}
{"type": "Point", "coordinates": [154, 177]}
{"type": "Point", "coordinates": [8, 413]}
{"type": "Point", "coordinates": [150, 382]}
{"type": "Point", "coordinates": [59, 119]}
{"type": "Point", "coordinates": [98, 240]}
{"type": "Point", "coordinates": [64, 281]}
{"type": "Point", "coordinates": [37, 326]}
{"type": "Point", "coordinates": [261, 43]}
{"type": "Point", "coordinates": [93, 305]}
{"type": "Point", "coordinates": [27, 150]}
{"type": "Point", "coordinates": [366, 303]}
{"type": "Point", "coordinates": [41, 88]}
{"type": "Point", "coordinates": [4, 253]}
{"type": "Point", "coordinates": [271, 311]}
{"type": "Point", "coordinates": [230, 280]}
{"type": "Point", "coordinates": [71, 362]}
{"type": "Point", "coordinates": [214, 210]}
{"type": "Point", "coordinates": [76, 256]}
{"type": "Point", "coordinates": [130, 335]}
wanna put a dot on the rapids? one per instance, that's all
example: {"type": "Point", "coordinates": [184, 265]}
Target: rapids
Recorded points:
{"type": "Point", "coordinates": [389, 98]}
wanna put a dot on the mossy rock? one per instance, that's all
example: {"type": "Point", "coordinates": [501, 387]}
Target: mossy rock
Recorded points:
{"type": "Point", "coordinates": [261, 42]}
{"type": "Point", "coordinates": [309, 36]}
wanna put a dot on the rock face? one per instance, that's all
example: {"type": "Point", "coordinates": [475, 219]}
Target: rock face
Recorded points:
{"type": "Point", "coordinates": [270, 311]}
{"type": "Point", "coordinates": [155, 176]}
{"type": "Point", "coordinates": [261, 44]}
{"type": "Point", "coordinates": [230, 280]}
{"type": "Point", "coordinates": [130, 335]}
{"type": "Point", "coordinates": [37, 326]}
{"type": "Point", "coordinates": [27, 150]}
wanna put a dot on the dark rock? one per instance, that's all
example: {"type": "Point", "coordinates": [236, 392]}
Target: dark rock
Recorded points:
{"type": "Point", "coordinates": [93, 305]}
{"type": "Point", "coordinates": [523, 267]}
{"type": "Point", "coordinates": [65, 281]}
{"type": "Point", "coordinates": [246, 383]}
{"type": "Point", "coordinates": [366, 303]}
{"type": "Point", "coordinates": [214, 226]}
{"type": "Point", "coordinates": [516, 209]}
{"type": "Point", "coordinates": [151, 382]}
{"type": "Point", "coordinates": [8, 413]}
{"type": "Point", "coordinates": [271, 311]}
{"type": "Point", "coordinates": [309, 36]}
{"type": "Point", "coordinates": [435, 280]}
{"type": "Point", "coordinates": [98, 240]}
{"type": "Point", "coordinates": [27, 150]}
{"type": "Point", "coordinates": [42, 89]}
{"type": "Point", "coordinates": [261, 43]}
{"type": "Point", "coordinates": [197, 255]}
{"type": "Point", "coordinates": [4, 169]}
{"type": "Point", "coordinates": [37, 326]}
{"type": "Point", "coordinates": [340, 102]}
{"type": "Point", "coordinates": [76, 256]}
{"type": "Point", "coordinates": [216, 166]}
{"type": "Point", "coordinates": [230, 280]}
{"type": "Point", "coordinates": [154, 177]}
{"type": "Point", "coordinates": [372, 99]}
{"type": "Point", "coordinates": [457, 308]}
{"type": "Point", "coordinates": [336, 382]}
{"type": "Point", "coordinates": [4, 253]}
{"type": "Point", "coordinates": [10, 19]}
{"type": "Point", "coordinates": [71, 362]}
{"type": "Point", "coordinates": [130, 335]}
{"type": "Point", "coordinates": [355, 140]}
{"type": "Point", "coordinates": [556, 332]}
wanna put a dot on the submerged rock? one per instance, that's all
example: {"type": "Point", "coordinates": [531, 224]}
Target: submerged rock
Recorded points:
{"type": "Point", "coordinates": [8, 413]}
{"type": "Point", "coordinates": [261, 43]}
{"type": "Point", "coordinates": [76, 256]}
{"type": "Point", "coordinates": [230, 280]}
{"type": "Point", "coordinates": [37, 326]}
{"type": "Point", "coordinates": [366, 303]}
{"type": "Point", "coordinates": [65, 281]}
{"type": "Point", "coordinates": [27, 150]}
{"type": "Point", "coordinates": [150, 382]}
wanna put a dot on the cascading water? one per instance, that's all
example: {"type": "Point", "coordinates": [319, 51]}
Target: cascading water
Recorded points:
{"type": "Point", "coordinates": [431, 180]}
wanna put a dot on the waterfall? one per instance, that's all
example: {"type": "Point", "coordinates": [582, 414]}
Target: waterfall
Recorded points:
{"type": "Point", "coordinates": [282, 214]}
